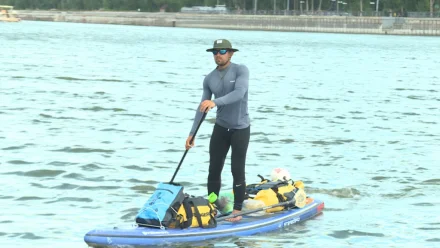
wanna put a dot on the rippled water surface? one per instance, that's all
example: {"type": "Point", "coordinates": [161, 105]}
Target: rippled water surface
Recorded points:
{"type": "Point", "coordinates": [94, 116]}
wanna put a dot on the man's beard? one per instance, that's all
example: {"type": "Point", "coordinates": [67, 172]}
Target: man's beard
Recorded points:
{"type": "Point", "coordinates": [220, 63]}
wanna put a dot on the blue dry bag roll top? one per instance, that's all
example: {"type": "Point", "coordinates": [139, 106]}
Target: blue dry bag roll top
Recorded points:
{"type": "Point", "coordinates": [161, 209]}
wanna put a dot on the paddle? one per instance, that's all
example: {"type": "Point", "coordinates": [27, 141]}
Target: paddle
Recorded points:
{"type": "Point", "coordinates": [299, 200]}
{"type": "Point", "coordinates": [186, 151]}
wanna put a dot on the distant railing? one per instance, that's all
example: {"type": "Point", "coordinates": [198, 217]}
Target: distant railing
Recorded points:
{"type": "Point", "coordinates": [327, 13]}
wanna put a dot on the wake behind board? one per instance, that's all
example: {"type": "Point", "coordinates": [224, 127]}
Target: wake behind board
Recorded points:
{"type": "Point", "coordinates": [249, 225]}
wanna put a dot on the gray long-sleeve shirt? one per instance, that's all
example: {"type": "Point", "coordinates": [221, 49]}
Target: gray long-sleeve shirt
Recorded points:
{"type": "Point", "coordinates": [230, 89]}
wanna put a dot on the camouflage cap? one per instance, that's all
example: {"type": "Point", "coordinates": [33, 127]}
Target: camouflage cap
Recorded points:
{"type": "Point", "coordinates": [222, 44]}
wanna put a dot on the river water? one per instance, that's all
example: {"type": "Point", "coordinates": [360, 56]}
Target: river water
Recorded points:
{"type": "Point", "coordinates": [93, 117]}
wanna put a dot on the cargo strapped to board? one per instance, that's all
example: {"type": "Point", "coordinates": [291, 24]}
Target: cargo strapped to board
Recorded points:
{"type": "Point", "coordinates": [161, 209]}
{"type": "Point", "coordinates": [274, 192]}
{"type": "Point", "coordinates": [195, 212]}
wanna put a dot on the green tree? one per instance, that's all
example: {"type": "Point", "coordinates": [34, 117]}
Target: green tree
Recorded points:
{"type": "Point", "coordinates": [175, 5]}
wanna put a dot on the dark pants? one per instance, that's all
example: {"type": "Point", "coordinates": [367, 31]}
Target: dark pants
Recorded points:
{"type": "Point", "coordinates": [221, 140]}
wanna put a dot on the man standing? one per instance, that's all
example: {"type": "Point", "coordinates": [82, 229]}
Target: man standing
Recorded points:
{"type": "Point", "coordinates": [229, 84]}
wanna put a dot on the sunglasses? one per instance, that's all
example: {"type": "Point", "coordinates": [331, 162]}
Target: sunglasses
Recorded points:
{"type": "Point", "coordinates": [222, 51]}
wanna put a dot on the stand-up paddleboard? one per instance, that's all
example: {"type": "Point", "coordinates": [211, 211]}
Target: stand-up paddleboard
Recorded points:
{"type": "Point", "coordinates": [249, 225]}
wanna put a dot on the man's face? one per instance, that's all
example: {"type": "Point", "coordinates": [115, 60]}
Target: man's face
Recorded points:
{"type": "Point", "coordinates": [222, 57]}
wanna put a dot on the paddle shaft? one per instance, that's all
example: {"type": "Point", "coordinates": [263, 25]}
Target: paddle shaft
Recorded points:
{"type": "Point", "coordinates": [186, 151]}
{"type": "Point", "coordinates": [256, 210]}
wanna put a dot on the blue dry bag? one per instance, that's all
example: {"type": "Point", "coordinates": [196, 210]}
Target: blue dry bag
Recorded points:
{"type": "Point", "coordinates": [161, 209]}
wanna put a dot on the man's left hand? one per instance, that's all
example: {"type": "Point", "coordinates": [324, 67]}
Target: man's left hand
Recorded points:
{"type": "Point", "coordinates": [206, 105]}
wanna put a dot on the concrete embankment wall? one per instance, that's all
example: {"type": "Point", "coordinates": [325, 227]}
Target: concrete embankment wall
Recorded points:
{"type": "Point", "coordinates": [330, 24]}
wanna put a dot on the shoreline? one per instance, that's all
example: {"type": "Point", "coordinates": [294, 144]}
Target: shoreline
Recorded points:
{"type": "Point", "coordinates": [321, 24]}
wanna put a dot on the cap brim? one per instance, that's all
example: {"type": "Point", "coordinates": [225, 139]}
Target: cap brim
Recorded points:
{"type": "Point", "coordinates": [212, 49]}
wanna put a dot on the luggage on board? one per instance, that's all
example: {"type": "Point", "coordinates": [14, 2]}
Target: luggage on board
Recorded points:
{"type": "Point", "coordinates": [161, 208]}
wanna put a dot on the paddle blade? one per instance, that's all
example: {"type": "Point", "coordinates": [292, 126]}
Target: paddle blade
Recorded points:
{"type": "Point", "coordinates": [300, 198]}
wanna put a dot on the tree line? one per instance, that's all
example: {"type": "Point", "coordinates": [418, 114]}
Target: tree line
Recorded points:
{"type": "Point", "coordinates": [243, 5]}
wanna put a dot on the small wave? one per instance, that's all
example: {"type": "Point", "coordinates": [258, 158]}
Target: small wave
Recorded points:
{"type": "Point", "coordinates": [98, 188]}
{"type": "Point", "coordinates": [343, 234]}
{"type": "Point", "coordinates": [19, 162]}
{"type": "Point", "coordinates": [133, 115]}
{"type": "Point", "coordinates": [66, 186]}
{"type": "Point", "coordinates": [295, 108]}
{"type": "Point", "coordinates": [409, 113]}
{"type": "Point", "coordinates": [57, 92]}
{"type": "Point", "coordinates": [60, 118]}
{"type": "Point", "coordinates": [73, 199]}
{"type": "Point", "coordinates": [393, 142]}
{"type": "Point", "coordinates": [171, 150]}
{"type": "Point", "coordinates": [355, 112]}
{"type": "Point", "coordinates": [90, 167]}
{"type": "Point", "coordinates": [428, 122]}
{"type": "Point", "coordinates": [78, 176]}
{"type": "Point", "coordinates": [26, 236]}
{"type": "Point", "coordinates": [151, 182]}
{"type": "Point", "coordinates": [424, 204]}
{"type": "Point", "coordinates": [59, 163]}
{"type": "Point", "coordinates": [311, 116]}
{"type": "Point", "coordinates": [432, 182]}
{"type": "Point", "coordinates": [313, 99]}
{"type": "Point", "coordinates": [266, 110]}
{"type": "Point", "coordinates": [135, 167]}
{"type": "Point", "coordinates": [130, 214]}
{"type": "Point", "coordinates": [335, 142]}
{"type": "Point", "coordinates": [340, 193]}
{"type": "Point", "coordinates": [96, 109]}
{"type": "Point", "coordinates": [269, 154]}
{"type": "Point", "coordinates": [329, 209]}
{"type": "Point", "coordinates": [38, 121]}
{"type": "Point", "coordinates": [5, 197]}
{"type": "Point", "coordinates": [259, 133]}
{"type": "Point", "coordinates": [429, 228]}
{"type": "Point", "coordinates": [113, 130]}
{"type": "Point", "coordinates": [382, 128]}
{"type": "Point", "coordinates": [110, 80]}
{"type": "Point", "coordinates": [287, 141]}
{"type": "Point", "coordinates": [433, 240]}
{"type": "Point", "coordinates": [299, 157]}
{"type": "Point", "coordinates": [159, 82]}
{"type": "Point", "coordinates": [263, 140]}
{"type": "Point", "coordinates": [405, 89]}
{"type": "Point", "coordinates": [48, 214]}
{"type": "Point", "coordinates": [143, 188]}
{"type": "Point", "coordinates": [416, 97]}
{"type": "Point", "coordinates": [43, 173]}
{"type": "Point", "coordinates": [83, 150]}
{"type": "Point", "coordinates": [37, 185]}
{"type": "Point", "coordinates": [70, 78]}
{"type": "Point", "coordinates": [19, 109]}
{"type": "Point", "coordinates": [29, 198]}
{"type": "Point", "coordinates": [380, 178]}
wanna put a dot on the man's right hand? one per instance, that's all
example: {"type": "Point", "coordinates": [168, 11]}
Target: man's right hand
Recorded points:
{"type": "Point", "coordinates": [188, 145]}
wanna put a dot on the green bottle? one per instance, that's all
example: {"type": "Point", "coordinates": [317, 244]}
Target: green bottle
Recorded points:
{"type": "Point", "coordinates": [212, 197]}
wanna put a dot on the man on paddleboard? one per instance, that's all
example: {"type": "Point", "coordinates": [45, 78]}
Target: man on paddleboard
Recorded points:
{"type": "Point", "coordinates": [229, 84]}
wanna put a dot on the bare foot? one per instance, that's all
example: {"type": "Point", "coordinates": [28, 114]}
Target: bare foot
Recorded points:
{"type": "Point", "coordinates": [235, 219]}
